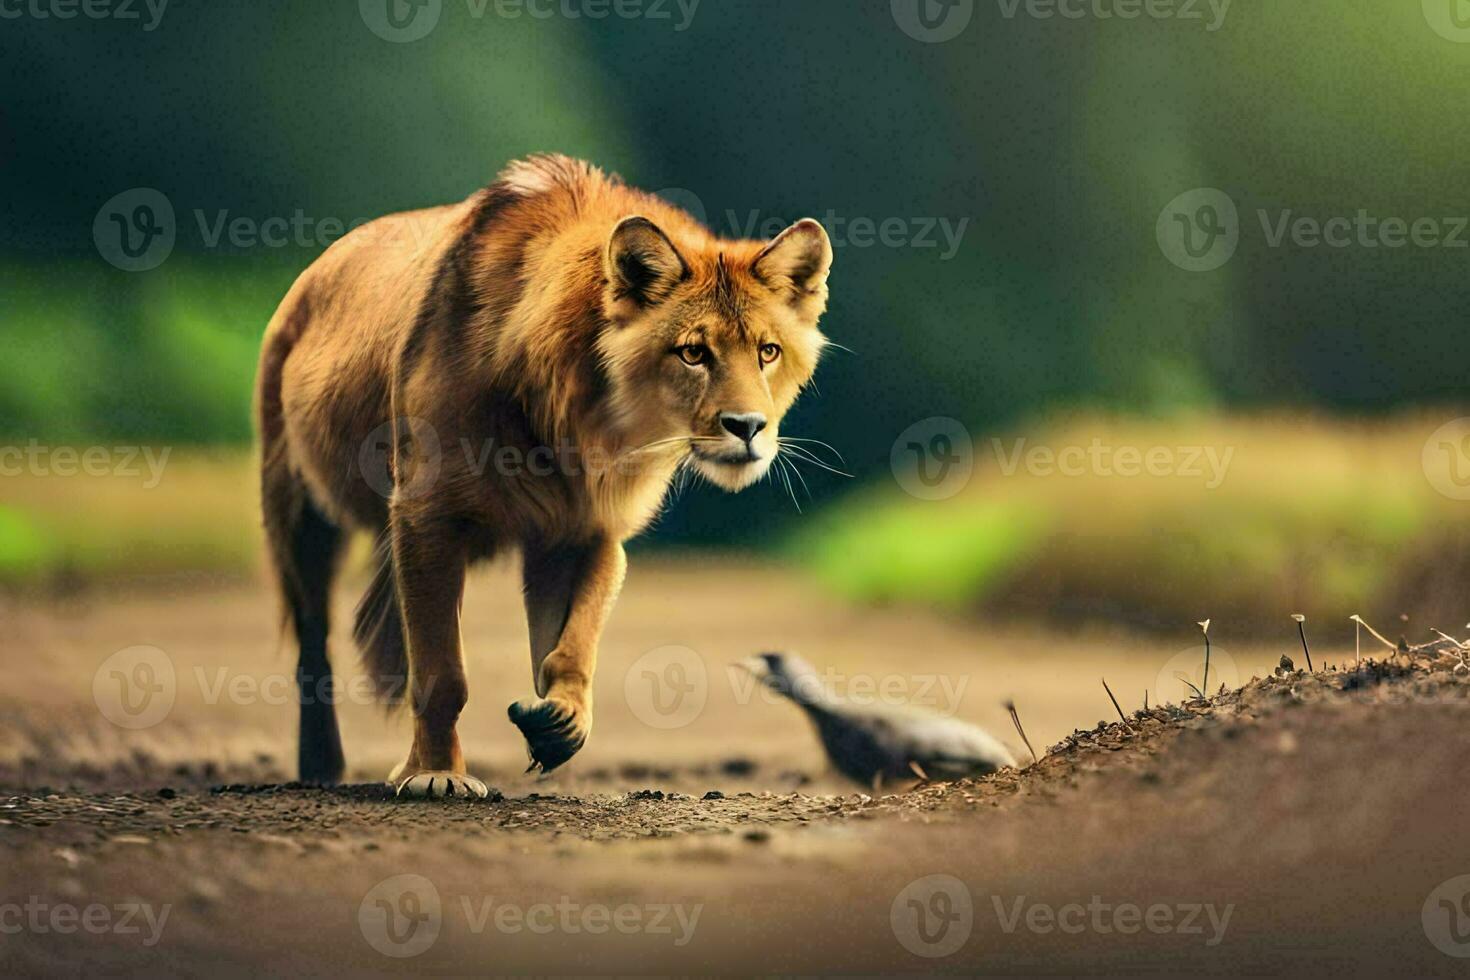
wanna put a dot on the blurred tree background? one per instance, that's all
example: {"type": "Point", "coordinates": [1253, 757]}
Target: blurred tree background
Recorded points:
{"type": "Point", "coordinates": [1055, 141]}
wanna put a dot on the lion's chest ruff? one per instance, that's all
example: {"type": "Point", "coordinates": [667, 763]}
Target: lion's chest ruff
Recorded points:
{"type": "Point", "coordinates": [623, 504]}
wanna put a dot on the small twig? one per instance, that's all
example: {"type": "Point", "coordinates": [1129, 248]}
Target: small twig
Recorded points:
{"type": "Point", "coordinates": [1301, 628]}
{"type": "Point", "coordinates": [1016, 720]}
{"type": "Point", "coordinates": [1376, 635]}
{"type": "Point", "coordinates": [1184, 678]}
{"type": "Point", "coordinates": [1460, 648]}
{"type": "Point", "coordinates": [1205, 681]}
{"type": "Point", "coordinates": [1145, 699]}
{"type": "Point", "coordinates": [1121, 717]}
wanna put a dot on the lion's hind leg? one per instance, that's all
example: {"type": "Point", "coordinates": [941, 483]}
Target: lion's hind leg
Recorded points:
{"type": "Point", "coordinates": [305, 547]}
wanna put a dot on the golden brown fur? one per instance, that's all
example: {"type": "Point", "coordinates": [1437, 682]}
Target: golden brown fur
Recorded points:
{"type": "Point", "coordinates": [524, 370]}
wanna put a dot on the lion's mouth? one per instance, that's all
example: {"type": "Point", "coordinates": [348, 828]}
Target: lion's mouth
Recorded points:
{"type": "Point", "coordinates": [740, 458]}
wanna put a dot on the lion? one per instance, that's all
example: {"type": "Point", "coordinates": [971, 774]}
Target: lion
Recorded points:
{"type": "Point", "coordinates": [525, 371]}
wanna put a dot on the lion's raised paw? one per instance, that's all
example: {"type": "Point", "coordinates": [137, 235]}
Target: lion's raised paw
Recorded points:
{"type": "Point", "coordinates": [554, 730]}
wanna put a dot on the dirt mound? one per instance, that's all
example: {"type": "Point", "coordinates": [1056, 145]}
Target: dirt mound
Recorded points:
{"type": "Point", "coordinates": [1432, 673]}
{"type": "Point", "coordinates": [1307, 814]}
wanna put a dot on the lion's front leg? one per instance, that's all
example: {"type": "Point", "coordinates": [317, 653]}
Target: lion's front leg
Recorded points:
{"type": "Point", "coordinates": [570, 589]}
{"type": "Point", "coordinates": [430, 560]}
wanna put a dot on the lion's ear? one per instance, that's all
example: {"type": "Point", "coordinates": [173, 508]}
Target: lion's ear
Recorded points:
{"type": "Point", "coordinates": [797, 260]}
{"type": "Point", "coordinates": [642, 264]}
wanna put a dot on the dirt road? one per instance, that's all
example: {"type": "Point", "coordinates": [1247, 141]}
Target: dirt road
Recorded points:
{"type": "Point", "coordinates": [1310, 827]}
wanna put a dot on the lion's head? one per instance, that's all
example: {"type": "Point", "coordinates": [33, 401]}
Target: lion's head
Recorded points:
{"type": "Point", "coordinates": [711, 341]}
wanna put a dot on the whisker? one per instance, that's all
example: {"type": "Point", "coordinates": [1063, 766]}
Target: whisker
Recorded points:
{"type": "Point", "coordinates": [798, 452]}
{"type": "Point", "coordinates": [816, 442]}
{"type": "Point", "coordinates": [833, 343]}
{"type": "Point", "coordinates": [649, 446]}
{"type": "Point", "coordinates": [797, 470]}
{"type": "Point", "coordinates": [811, 450]}
{"type": "Point", "coordinates": [680, 481]}
{"type": "Point", "coordinates": [795, 503]}
{"type": "Point", "coordinates": [806, 456]}
{"type": "Point", "coordinates": [657, 443]}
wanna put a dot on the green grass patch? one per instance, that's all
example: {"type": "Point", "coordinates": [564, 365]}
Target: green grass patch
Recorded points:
{"type": "Point", "coordinates": [1314, 517]}
{"type": "Point", "coordinates": [200, 517]}
{"type": "Point", "coordinates": [877, 550]}
{"type": "Point", "coordinates": [168, 356]}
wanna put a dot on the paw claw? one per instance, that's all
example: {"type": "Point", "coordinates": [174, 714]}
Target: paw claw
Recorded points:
{"type": "Point", "coordinates": [554, 730]}
{"type": "Point", "coordinates": [438, 785]}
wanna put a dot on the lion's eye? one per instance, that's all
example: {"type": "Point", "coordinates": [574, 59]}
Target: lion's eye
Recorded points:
{"type": "Point", "coordinates": [769, 352]}
{"type": "Point", "coordinates": [693, 353]}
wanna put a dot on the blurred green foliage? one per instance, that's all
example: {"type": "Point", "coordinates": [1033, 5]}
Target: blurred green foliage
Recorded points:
{"type": "Point", "coordinates": [167, 356]}
{"type": "Point", "coordinates": [1310, 517]}
{"type": "Point", "coordinates": [200, 519]}
{"type": "Point", "coordinates": [876, 549]}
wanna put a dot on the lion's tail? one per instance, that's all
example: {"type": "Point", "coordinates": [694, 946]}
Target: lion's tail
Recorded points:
{"type": "Point", "coordinates": [378, 629]}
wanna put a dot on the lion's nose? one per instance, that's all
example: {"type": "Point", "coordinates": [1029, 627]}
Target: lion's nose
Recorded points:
{"type": "Point", "coordinates": [743, 425]}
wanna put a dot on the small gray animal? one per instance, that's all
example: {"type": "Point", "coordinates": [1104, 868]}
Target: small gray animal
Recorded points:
{"type": "Point", "coordinates": [872, 743]}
